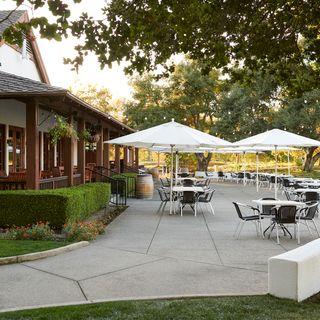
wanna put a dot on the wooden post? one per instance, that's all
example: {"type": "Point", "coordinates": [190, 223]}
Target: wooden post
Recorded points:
{"type": "Point", "coordinates": [125, 156]}
{"type": "Point", "coordinates": [68, 156]}
{"type": "Point", "coordinates": [106, 149]}
{"type": "Point", "coordinates": [81, 164]}
{"type": "Point", "coordinates": [99, 153]}
{"type": "Point", "coordinates": [117, 158]}
{"type": "Point", "coordinates": [6, 151]}
{"type": "Point", "coordinates": [136, 157]}
{"type": "Point", "coordinates": [32, 132]}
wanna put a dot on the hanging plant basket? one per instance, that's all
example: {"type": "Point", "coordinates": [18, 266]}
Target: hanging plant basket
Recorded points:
{"type": "Point", "coordinates": [61, 129]}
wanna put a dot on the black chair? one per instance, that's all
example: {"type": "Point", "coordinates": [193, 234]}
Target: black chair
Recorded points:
{"type": "Point", "coordinates": [203, 183]}
{"type": "Point", "coordinates": [284, 215]}
{"type": "Point", "coordinates": [307, 214]}
{"type": "Point", "coordinates": [184, 174]}
{"type": "Point", "coordinates": [267, 210]}
{"type": "Point", "coordinates": [189, 198]}
{"type": "Point", "coordinates": [164, 197]}
{"type": "Point", "coordinates": [220, 176]}
{"type": "Point", "coordinates": [311, 196]}
{"type": "Point", "coordinates": [206, 197]}
{"type": "Point", "coordinates": [164, 183]}
{"type": "Point", "coordinates": [254, 217]}
{"type": "Point", "coordinates": [187, 182]}
{"type": "Point", "coordinates": [291, 196]}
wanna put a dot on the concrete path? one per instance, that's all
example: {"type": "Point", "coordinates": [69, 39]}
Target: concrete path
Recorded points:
{"type": "Point", "coordinates": [148, 253]}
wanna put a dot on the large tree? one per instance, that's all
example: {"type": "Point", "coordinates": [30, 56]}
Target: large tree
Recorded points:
{"type": "Point", "coordinates": [301, 114]}
{"type": "Point", "coordinates": [149, 32]}
{"type": "Point", "coordinates": [246, 105]}
{"type": "Point", "coordinates": [188, 96]}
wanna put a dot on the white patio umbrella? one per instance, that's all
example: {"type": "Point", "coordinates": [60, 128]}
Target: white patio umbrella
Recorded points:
{"type": "Point", "coordinates": [171, 135]}
{"type": "Point", "coordinates": [276, 139]}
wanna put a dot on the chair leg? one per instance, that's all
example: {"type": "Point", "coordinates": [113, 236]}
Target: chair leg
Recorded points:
{"type": "Point", "coordinates": [298, 230]}
{"type": "Point", "coordinates": [243, 222]}
{"type": "Point", "coordinates": [195, 209]}
{"type": "Point", "coordinates": [277, 230]}
{"type": "Point", "coordinates": [257, 227]}
{"type": "Point", "coordinates": [181, 210]}
{"type": "Point", "coordinates": [212, 210]}
{"type": "Point", "coordinates": [316, 227]}
{"type": "Point", "coordinates": [236, 230]}
{"type": "Point", "coordinates": [307, 224]}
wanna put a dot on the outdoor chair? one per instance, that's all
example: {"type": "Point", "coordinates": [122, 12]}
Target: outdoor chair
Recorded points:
{"type": "Point", "coordinates": [263, 181]}
{"type": "Point", "coordinates": [221, 176]}
{"type": "Point", "coordinates": [3, 174]}
{"type": "Point", "coordinates": [164, 197]}
{"type": "Point", "coordinates": [267, 210]}
{"type": "Point", "coordinates": [240, 177]}
{"type": "Point", "coordinates": [183, 174]}
{"type": "Point", "coordinates": [254, 217]}
{"type": "Point", "coordinates": [291, 195]}
{"type": "Point", "coordinates": [188, 198]}
{"type": "Point", "coordinates": [206, 198]}
{"type": "Point", "coordinates": [187, 183]}
{"type": "Point", "coordinates": [204, 184]}
{"type": "Point", "coordinates": [284, 215]}
{"type": "Point", "coordinates": [307, 214]}
{"type": "Point", "coordinates": [311, 196]}
{"type": "Point", "coordinates": [164, 183]}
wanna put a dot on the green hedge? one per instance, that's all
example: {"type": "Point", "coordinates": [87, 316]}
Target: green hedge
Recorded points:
{"type": "Point", "coordinates": [22, 207]}
{"type": "Point", "coordinates": [130, 183]}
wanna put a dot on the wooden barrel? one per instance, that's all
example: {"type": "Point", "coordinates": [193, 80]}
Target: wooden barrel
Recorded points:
{"type": "Point", "coordinates": [155, 173]}
{"type": "Point", "coordinates": [144, 186]}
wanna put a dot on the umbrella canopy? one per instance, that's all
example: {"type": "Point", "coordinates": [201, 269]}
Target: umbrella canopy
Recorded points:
{"type": "Point", "coordinates": [277, 137]}
{"type": "Point", "coordinates": [170, 134]}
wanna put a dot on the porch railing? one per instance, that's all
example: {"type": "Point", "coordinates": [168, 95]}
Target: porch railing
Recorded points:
{"type": "Point", "coordinates": [59, 182]}
{"type": "Point", "coordinates": [118, 187]}
{"type": "Point", "coordinates": [130, 181]}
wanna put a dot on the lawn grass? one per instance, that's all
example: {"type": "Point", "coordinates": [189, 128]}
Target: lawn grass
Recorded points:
{"type": "Point", "coordinates": [222, 308]}
{"type": "Point", "coordinates": [16, 247]}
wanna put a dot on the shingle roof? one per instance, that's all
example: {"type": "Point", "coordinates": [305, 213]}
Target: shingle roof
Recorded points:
{"type": "Point", "coordinates": [15, 86]}
{"type": "Point", "coordinates": [12, 84]}
{"type": "Point", "coordinates": [14, 17]}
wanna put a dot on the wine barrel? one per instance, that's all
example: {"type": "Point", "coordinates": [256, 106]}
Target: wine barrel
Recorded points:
{"type": "Point", "coordinates": [144, 186]}
{"type": "Point", "coordinates": [155, 173]}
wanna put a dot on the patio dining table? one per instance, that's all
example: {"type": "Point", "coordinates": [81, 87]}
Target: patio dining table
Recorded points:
{"type": "Point", "coordinates": [191, 188]}
{"type": "Point", "coordinates": [310, 184]}
{"type": "Point", "coordinates": [276, 203]}
{"type": "Point", "coordinates": [304, 190]}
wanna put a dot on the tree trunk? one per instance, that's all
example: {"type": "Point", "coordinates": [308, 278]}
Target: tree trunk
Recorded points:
{"type": "Point", "coordinates": [311, 159]}
{"type": "Point", "coordinates": [203, 161]}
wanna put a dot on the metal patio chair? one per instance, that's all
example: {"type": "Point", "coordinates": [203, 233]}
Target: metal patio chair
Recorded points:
{"type": "Point", "coordinates": [244, 217]}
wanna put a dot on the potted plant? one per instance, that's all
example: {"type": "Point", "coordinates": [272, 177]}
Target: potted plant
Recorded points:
{"type": "Point", "coordinates": [61, 129]}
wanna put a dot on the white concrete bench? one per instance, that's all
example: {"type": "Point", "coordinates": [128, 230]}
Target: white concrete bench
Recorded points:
{"type": "Point", "coordinates": [296, 273]}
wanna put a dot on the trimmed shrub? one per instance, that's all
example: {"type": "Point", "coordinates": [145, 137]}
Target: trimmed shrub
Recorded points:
{"type": "Point", "coordinates": [59, 206]}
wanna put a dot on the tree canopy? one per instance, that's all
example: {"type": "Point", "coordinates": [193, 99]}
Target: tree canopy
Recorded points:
{"type": "Point", "coordinates": [148, 32]}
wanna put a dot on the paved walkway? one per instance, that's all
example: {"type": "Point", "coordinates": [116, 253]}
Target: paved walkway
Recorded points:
{"type": "Point", "coordinates": [147, 253]}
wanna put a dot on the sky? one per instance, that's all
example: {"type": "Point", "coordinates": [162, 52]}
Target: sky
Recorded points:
{"type": "Point", "coordinates": [53, 53]}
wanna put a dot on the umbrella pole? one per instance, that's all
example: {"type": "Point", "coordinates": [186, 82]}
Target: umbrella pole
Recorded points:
{"type": "Point", "coordinates": [177, 166]}
{"type": "Point", "coordinates": [289, 162]}
{"type": "Point", "coordinates": [244, 169]}
{"type": "Point", "coordinates": [257, 176]}
{"type": "Point", "coordinates": [276, 174]}
{"type": "Point", "coordinates": [171, 179]}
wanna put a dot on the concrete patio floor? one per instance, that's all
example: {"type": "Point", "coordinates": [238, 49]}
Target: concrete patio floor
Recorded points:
{"type": "Point", "coordinates": [148, 253]}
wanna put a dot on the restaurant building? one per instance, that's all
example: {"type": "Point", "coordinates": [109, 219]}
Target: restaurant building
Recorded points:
{"type": "Point", "coordinates": [29, 107]}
